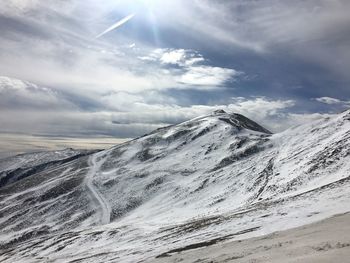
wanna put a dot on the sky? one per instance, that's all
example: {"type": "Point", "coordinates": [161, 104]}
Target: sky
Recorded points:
{"type": "Point", "coordinates": [118, 68]}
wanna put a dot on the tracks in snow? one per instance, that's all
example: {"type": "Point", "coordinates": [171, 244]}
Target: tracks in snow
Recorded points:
{"type": "Point", "coordinates": [105, 207]}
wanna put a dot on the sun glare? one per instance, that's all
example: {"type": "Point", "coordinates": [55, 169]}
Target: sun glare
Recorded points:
{"type": "Point", "coordinates": [149, 3]}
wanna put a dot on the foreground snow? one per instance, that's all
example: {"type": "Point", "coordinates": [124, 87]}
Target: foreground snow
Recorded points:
{"type": "Point", "coordinates": [218, 177]}
{"type": "Point", "coordinates": [324, 241]}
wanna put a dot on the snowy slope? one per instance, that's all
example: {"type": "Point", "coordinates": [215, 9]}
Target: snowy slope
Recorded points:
{"type": "Point", "coordinates": [203, 181]}
{"type": "Point", "coordinates": [28, 160]}
{"type": "Point", "coordinates": [20, 166]}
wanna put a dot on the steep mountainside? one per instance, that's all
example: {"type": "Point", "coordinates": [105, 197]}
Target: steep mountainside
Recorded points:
{"type": "Point", "coordinates": [203, 181]}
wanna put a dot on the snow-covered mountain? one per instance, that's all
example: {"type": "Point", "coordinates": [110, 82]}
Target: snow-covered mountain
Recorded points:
{"type": "Point", "coordinates": [181, 187]}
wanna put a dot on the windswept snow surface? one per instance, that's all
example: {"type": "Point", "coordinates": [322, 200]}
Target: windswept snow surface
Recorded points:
{"type": "Point", "coordinates": [214, 178]}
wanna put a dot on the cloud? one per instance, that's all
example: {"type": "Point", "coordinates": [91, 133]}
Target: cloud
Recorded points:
{"type": "Point", "coordinates": [332, 101]}
{"type": "Point", "coordinates": [207, 76]}
{"type": "Point", "coordinates": [191, 69]}
{"type": "Point", "coordinates": [273, 114]}
{"type": "Point", "coordinates": [177, 59]}
{"type": "Point", "coordinates": [245, 36]}
{"type": "Point", "coordinates": [176, 56]}
{"type": "Point", "coordinates": [313, 34]}
{"type": "Point", "coordinates": [42, 111]}
{"type": "Point", "coordinates": [76, 62]}
{"type": "Point", "coordinates": [18, 6]}
{"type": "Point", "coordinates": [17, 95]}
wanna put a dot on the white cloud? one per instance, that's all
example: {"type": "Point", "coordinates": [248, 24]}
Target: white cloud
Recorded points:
{"type": "Point", "coordinates": [17, 95]}
{"type": "Point", "coordinates": [207, 76]}
{"type": "Point", "coordinates": [332, 101]}
{"type": "Point", "coordinates": [260, 106]}
{"type": "Point", "coordinates": [173, 57]}
{"type": "Point", "coordinates": [191, 70]}
{"type": "Point", "coordinates": [194, 60]}
{"type": "Point", "coordinates": [179, 57]}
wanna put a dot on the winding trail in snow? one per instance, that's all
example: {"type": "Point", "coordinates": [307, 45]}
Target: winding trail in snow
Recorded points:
{"type": "Point", "coordinates": [105, 207]}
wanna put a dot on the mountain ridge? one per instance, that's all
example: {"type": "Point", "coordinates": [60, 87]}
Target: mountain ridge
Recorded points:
{"type": "Point", "coordinates": [204, 179]}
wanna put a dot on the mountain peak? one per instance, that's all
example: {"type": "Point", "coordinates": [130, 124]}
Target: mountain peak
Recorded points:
{"type": "Point", "coordinates": [240, 121]}
{"type": "Point", "coordinates": [220, 111]}
{"type": "Point", "coordinates": [248, 123]}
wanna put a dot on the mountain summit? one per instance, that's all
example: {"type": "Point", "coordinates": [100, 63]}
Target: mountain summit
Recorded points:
{"type": "Point", "coordinates": [240, 121]}
{"type": "Point", "coordinates": [212, 178]}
